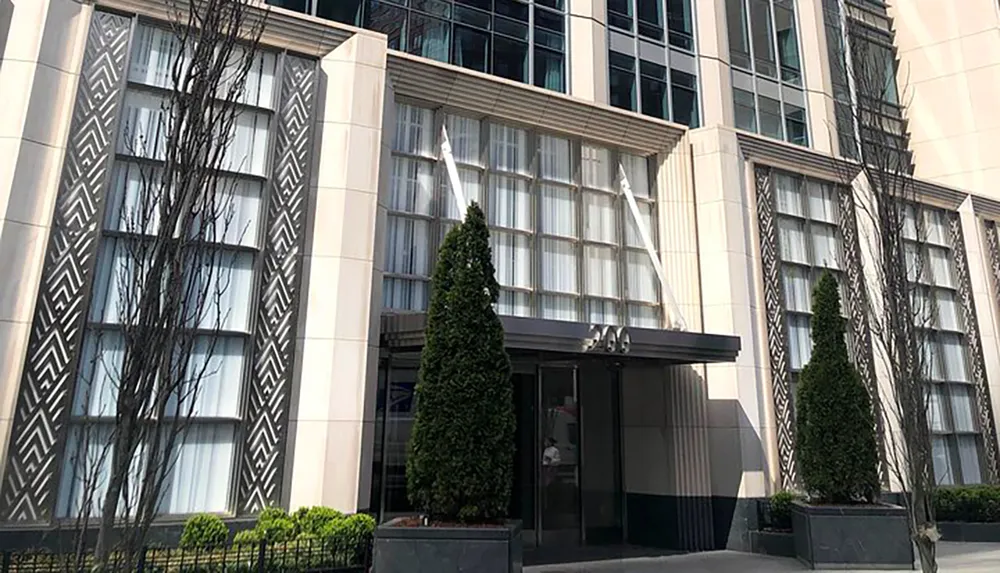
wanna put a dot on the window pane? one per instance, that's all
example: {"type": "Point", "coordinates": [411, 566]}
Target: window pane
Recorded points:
{"type": "Point", "coordinates": [654, 97]}
{"type": "Point", "coordinates": [739, 46]}
{"type": "Point", "coordinates": [469, 49]}
{"type": "Point", "coordinates": [412, 185]}
{"type": "Point", "coordinates": [822, 201]}
{"type": "Point", "coordinates": [463, 134]}
{"type": "Point", "coordinates": [940, 266]}
{"type": "Point", "coordinates": [559, 271]}
{"type": "Point", "coordinates": [799, 341]}
{"type": "Point", "coordinates": [407, 246]}
{"type": "Point", "coordinates": [511, 259]}
{"type": "Point", "coordinates": [389, 20]}
{"type": "Point", "coordinates": [637, 170]}
{"type": "Point", "coordinates": [746, 110]}
{"type": "Point", "coordinates": [942, 461]}
{"type": "Point", "coordinates": [936, 231]}
{"type": "Point", "coordinates": [404, 294]}
{"type": "Point", "coordinates": [642, 316]}
{"type": "Point", "coordinates": [953, 353]}
{"type": "Point", "coordinates": [961, 408]}
{"type": "Point", "coordinates": [600, 222]}
{"type": "Point", "coordinates": [788, 194]}
{"type": "Point", "coordinates": [595, 167]}
{"type": "Point", "coordinates": [931, 360]}
{"type": "Point", "coordinates": [549, 66]}
{"type": "Point", "coordinates": [632, 236]}
{"type": "Point", "coordinates": [935, 409]}
{"type": "Point", "coordinates": [200, 470]}
{"type": "Point", "coordinates": [968, 455]}
{"type": "Point", "coordinates": [560, 308]}
{"type": "Point", "coordinates": [344, 11]}
{"type": "Point", "coordinates": [622, 79]}
{"type": "Point", "coordinates": [513, 303]}
{"type": "Point", "coordinates": [510, 203]}
{"type": "Point", "coordinates": [760, 26]}
{"type": "Point", "coordinates": [826, 251]}
{"type": "Point", "coordinates": [795, 125]}
{"type": "Point", "coordinates": [144, 126]}
{"type": "Point", "coordinates": [154, 51]}
{"type": "Point", "coordinates": [472, 187]}
{"type": "Point", "coordinates": [96, 391]}
{"type": "Point", "coordinates": [510, 59]}
{"type": "Point", "coordinates": [601, 311]}
{"type": "Point", "coordinates": [679, 21]}
{"type": "Point", "coordinates": [601, 265]}
{"type": "Point", "coordinates": [414, 130]}
{"type": "Point", "coordinates": [798, 289]}
{"type": "Point", "coordinates": [509, 149]}
{"type": "Point", "coordinates": [558, 211]}
{"type": "Point", "coordinates": [788, 48]}
{"type": "Point", "coordinates": [215, 372]}
{"type": "Point", "coordinates": [792, 240]}
{"type": "Point", "coordinates": [642, 281]}
{"type": "Point", "coordinates": [770, 117]}
{"type": "Point", "coordinates": [947, 309]}
{"type": "Point", "coordinates": [428, 37]}
{"type": "Point", "coordinates": [554, 159]}
{"type": "Point", "coordinates": [685, 99]}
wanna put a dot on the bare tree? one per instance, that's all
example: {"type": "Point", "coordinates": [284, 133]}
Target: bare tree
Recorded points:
{"type": "Point", "coordinates": [172, 210]}
{"type": "Point", "coordinates": [871, 130]}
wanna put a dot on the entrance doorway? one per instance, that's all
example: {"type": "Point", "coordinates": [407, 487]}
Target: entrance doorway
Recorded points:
{"type": "Point", "coordinates": [567, 482]}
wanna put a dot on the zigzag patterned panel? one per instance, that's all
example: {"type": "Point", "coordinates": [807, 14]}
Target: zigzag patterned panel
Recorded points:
{"type": "Point", "coordinates": [857, 310]}
{"type": "Point", "coordinates": [775, 309]}
{"type": "Point", "coordinates": [262, 462]}
{"type": "Point", "coordinates": [977, 362]}
{"type": "Point", "coordinates": [40, 417]}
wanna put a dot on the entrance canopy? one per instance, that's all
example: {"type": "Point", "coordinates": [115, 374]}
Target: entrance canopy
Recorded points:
{"type": "Point", "coordinates": [406, 332]}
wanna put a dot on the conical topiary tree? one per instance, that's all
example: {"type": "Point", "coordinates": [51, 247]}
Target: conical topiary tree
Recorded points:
{"type": "Point", "coordinates": [835, 430]}
{"type": "Point", "coordinates": [460, 463]}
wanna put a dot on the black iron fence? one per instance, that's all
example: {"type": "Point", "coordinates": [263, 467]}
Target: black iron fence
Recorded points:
{"type": "Point", "coordinates": [306, 556]}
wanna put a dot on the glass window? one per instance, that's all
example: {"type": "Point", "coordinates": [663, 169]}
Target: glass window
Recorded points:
{"type": "Point", "coordinates": [601, 271]}
{"type": "Point", "coordinates": [558, 214]}
{"type": "Point", "coordinates": [739, 43]}
{"type": "Point", "coordinates": [684, 91]}
{"type": "Point", "coordinates": [510, 59]}
{"type": "Point", "coordinates": [795, 124]}
{"type": "Point", "coordinates": [622, 80]}
{"type": "Point", "coordinates": [788, 193]}
{"type": "Point", "coordinates": [799, 341]}
{"type": "Point", "coordinates": [600, 218]}
{"type": "Point", "coordinates": [512, 259]}
{"type": "Point", "coordinates": [549, 68]}
{"type": "Point", "coordinates": [788, 47]}
{"type": "Point", "coordinates": [389, 20]}
{"type": "Point", "coordinates": [554, 159]}
{"type": "Point", "coordinates": [559, 270]}
{"type": "Point", "coordinates": [510, 203]}
{"type": "Point", "coordinates": [620, 14]}
{"type": "Point", "coordinates": [428, 37]}
{"type": "Point", "coordinates": [650, 16]}
{"type": "Point", "coordinates": [469, 49]}
{"type": "Point", "coordinates": [509, 149]}
{"type": "Point", "coordinates": [770, 117]}
{"type": "Point", "coordinates": [760, 28]}
{"type": "Point", "coordinates": [798, 289]}
{"type": "Point", "coordinates": [746, 110]}
{"type": "Point", "coordinates": [596, 169]}
{"type": "Point", "coordinates": [653, 81]}
{"type": "Point", "coordinates": [345, 11]}
{"type": "Point", "coordinates": [680, 23]}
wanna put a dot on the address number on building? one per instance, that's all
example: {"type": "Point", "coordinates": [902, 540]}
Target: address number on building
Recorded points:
{"type": "Point", "coordinates": [608, 340]}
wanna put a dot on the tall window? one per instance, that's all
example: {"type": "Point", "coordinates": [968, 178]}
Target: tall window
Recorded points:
{"type": "Point", "coordinates": [565, 245]}
{"type": "Point", "coordinates": [767, 69]}
{"type": "Point", "coordinates": [956, 440]}
{"type": "Point", "coordinates": [203, 460]}
{"type": "Point", "coordinates": [521, 40]}
{"type": "Point", "coordinates": [651, 65]}
{"type": "Point", "coordinates": [809, 243]}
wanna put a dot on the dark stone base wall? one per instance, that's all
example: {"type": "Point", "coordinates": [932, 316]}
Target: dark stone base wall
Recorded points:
{"type": "Point", "coordinates": [690, 523]}
{"type": "Point", "coordinates": [61, 539]}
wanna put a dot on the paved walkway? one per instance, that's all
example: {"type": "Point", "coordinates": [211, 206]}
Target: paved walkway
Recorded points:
{"type": "Point", "coordinates": [952, 558]}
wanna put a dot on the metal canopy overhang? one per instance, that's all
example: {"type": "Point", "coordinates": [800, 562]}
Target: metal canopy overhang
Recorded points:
{"type": "Point", "coordinates": [406, 332]}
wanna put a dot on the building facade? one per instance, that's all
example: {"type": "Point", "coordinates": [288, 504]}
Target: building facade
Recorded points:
{"type": "Point", "coordinates": [664, 181]}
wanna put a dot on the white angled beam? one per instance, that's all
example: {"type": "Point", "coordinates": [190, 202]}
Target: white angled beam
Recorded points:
{"type": "Point", "coordinates": [676, 320]}
{"type": "Point", "coordinates": [456, 182]}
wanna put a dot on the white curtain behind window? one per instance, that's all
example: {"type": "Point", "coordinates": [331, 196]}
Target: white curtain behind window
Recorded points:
{"type": "Point", "coordinates": [194, 484]}
{"type": "Point", "coordinates": [463, 134]}
{"type": "Point", "coordinates": [595, 166]}
{"type": "Point", "coordinates": [935, 409]}
{"type": "Point", "coordinates": [787, 194]}
{"type": "Point", "coordinates": [968, 455]}
{"type": "Point", "coordinates": [936, 231]}
{"type": "Point", "coordinates": [822, 201]}
{"type": "Point", "coordinates": [637, 171]}
{"type": "Point", "coordinates": [642, 282]}
{"type": "Point", "coordinates": [153, 53]}
{"type": "Point", "coordinates": [961, 408]}
{"type": "Point", "coordinates": [510, 203]}
{"type": "Point", "coordinates": [632, 236]}
{"type": "Point", "coordinates": [227, 279]}
{"type": "Point", "coordinates": [554, 159]}
{"type": "Point", "coordinates": [248, 151]}
{"type": "Point", "coordinates": [414, 130]}
{"type": "Point", "coordinates": [792, 240]}
{"type": "Point", "coordinates": [412, 186]}
{"type": "Point", "coordinates": [216, 370]}
{"type": "Point", "coordinates": [559, 270]}
{"type": "Point", "coordinates": [940, 267]}
{"type": "Point", "coordinates": [100, 373]}
{"type": "Point", "coordinates": [954, 358]}
{"type": "Point", "coordinates": [404, 294]}
{"type": "Point", "coordinates": [826, 251]}
{"type": "Point", "coordinates": [559, 308]}
{"type": "Point", "coordinates": [641, 316]}
{"type": "Point", "coordinates": [511, 259]}
{"type": "Point", "coordinates": [947, 311]}
{"type": "Point", "coordinates": [513, 303]}
{"type": "Point", "coordinates": [600, 221]}
{"type": "Point", "coordinates": [942, 461]}
{"type": "Point", "coordinates": [601, 311]}
{"type": "Point", "coordinates": [601, 271]}
{"type": "Point", "coordinates": [798, 289]}
{"type": "Point", "coordinates": [472, 186]}
{"type": "Point", "coordinates": [509, 149]}
{"type": "Point", "coordinates": [86, 469]}
{"type": "Point", "coordinates": [144, 126]}
{"type": "Point", "coordinates": [407, 246]}
{"type": "Point", "coordinates": [558, 211]}
{"type": "Point", "coordinates": [799, 341]}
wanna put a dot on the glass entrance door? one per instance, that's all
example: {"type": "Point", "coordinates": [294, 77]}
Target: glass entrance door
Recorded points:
{"type": "Point", "coordinates": [600, 453]}
{"type": "Point", "coordinates": [559, 475]}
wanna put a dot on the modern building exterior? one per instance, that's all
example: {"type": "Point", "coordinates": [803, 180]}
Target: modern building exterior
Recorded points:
{"type": "Point", "coordinates": [664, 181]}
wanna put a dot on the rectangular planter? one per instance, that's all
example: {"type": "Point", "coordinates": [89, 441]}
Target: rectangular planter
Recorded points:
{"type": "Point", "coordinates": [852, 537]}
{"type": "Point", "coordinates": [448, 549]}
{"type": "Point", "coordinates": [779, 543]}
{"type": "Point", "coordinates": [969, 532]}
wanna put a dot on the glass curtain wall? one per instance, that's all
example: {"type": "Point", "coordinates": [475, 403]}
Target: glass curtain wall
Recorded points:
{"type": "Point", "coordinates": [521, 40]}
{"type": "Point", "coordinates": [768, 95]}
{"type": "Point", "coordinates": [204, 459]}
{"type": "Point", "coordinates": [565, 245]}
{"type": "Point", "coordinates": [956, 439]}
{"type": "Point", "coordinates": [651, 66]}
{"type": "Point", "coordinates": [809, 243]}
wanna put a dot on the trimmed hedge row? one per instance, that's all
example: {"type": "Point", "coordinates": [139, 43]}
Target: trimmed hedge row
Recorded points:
{"type": "Point", "coordinates": [972, 504]}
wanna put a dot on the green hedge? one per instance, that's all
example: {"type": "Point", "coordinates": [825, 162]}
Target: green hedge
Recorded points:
{"type": "Point", "coordinates": [780, 510]}
{"type": "Point", "coordinates": [977, 503]}
{"type": "Point", "coordinates": [204, 530]}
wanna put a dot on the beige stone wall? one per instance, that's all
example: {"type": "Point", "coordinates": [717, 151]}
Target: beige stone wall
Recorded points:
{"type": "Point", "coordinates": [950, 59]}
{"type": "Point", "coordinates": [588, 50]}
{"type": "Point", "coordinates": [332, 421]}
{"type": "Point", "coordinates": [38, 77]}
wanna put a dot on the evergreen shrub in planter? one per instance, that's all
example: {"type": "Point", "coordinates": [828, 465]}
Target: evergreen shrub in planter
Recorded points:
{"type": "Point", "coordinates": [968, 513]}
{"type": "Point", "coordinates": [842, 524]}
{"type": "Point", "coordinates": [460, 464]}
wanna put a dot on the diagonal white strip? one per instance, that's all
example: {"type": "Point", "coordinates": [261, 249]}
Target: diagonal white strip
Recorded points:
{"type": "Point", "coordinates": [677, 321]}
{"type": "Point", "coordinates": [449, 163]}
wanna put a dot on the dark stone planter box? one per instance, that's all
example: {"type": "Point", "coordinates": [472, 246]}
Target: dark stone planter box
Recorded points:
{"type": "Point", "coordinates": [969, 532]}
{"type": "Point", "coordinates": [778, 543]}
{"type": "Point", "coordinates": [852, 537]}
{"type": "Point", "coordinates": [448, 549]}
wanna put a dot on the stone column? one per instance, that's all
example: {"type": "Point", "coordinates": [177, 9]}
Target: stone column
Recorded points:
{"type": "Point", "coordinates": [588, 50]}
{"type": "Point", "coordinates": [337, 348]}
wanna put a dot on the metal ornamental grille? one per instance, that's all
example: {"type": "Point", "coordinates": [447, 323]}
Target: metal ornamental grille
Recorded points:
{"type": "Point", "coordinates": [564, 244]}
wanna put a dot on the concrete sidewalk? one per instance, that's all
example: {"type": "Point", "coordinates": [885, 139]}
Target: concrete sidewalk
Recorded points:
{"type": "Point", "coordinates": [952, 557]}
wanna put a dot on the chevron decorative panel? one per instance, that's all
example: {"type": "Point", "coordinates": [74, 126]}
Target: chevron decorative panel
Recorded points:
{"type": "Point", "coordinates": [266, 424]}
{"type": "Point", "coordinates": [776, 337]}
{"type": "Point", "coordinates": [977, 363]}
{"type": "Point", "coordinates": [857, 311]}
{"type": "Point", "coordinates": [40, 417]}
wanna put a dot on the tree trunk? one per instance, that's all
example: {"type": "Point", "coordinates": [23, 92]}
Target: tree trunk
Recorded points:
{"type": "Point", "coordinates": [927, 550]}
